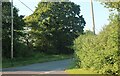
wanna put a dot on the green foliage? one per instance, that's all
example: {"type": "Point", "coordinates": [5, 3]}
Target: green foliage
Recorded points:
{"type": "Point", "coordinates": [50, 29]}
{"type": "Point", "coordinates": [54, 26]}
{"type": "Point", "coordinates": [18, 26]}
{"type": "Point", "coordinates": [100, 52]}
{"type": "Point", "coordinates": [115, 5]}
{"type": "Point", "coordinates": [21, 50]}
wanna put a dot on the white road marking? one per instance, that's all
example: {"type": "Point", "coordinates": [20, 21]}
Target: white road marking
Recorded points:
{"type": "Point", "coordinates": [32, 72]}
{"type": "Point", "coordinates": [46, 72]}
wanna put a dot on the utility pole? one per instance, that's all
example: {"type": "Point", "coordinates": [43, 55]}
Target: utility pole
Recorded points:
{"type": "Point", "coordinates": [0, 35]}
{"type": "Point", "coordinates": [11, 29]}
{"type": "Point", "coordinates": [92, 13]}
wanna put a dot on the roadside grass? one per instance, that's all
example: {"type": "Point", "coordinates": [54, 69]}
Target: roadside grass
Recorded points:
{"type": "Point", "coordinates": [37, 58]}
{"type": "Point", "coordinates": [73, 69]}
{"type": "Point", "coordinates": [80, 71]}
{"type": "Point", "coordinates": [0, 62]}
{"type": "Point", "coordinates": [72, 65]}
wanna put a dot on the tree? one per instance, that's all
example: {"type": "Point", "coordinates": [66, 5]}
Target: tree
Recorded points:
{"type": "Point", "coordinates": [54, 25]}
{"type": "Point", "coordinates": [6, 29]}
{"type": "Point", "coordinates": [113, 5]}
{"type": "Point", "coordinates": [89, 32]}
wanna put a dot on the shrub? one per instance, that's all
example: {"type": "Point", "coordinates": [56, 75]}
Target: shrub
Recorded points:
{"type": "Point", "coordinates": [99, 52]}
{"type": "Point", "coordinates": [21, 50]}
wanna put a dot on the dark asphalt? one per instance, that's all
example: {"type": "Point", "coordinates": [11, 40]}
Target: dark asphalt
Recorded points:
{"type": "Point", "coordinates": [60, 65]}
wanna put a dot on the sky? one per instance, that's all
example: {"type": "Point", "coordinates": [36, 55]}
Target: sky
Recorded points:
{"type": "Point", "coordinates": [100, 12]}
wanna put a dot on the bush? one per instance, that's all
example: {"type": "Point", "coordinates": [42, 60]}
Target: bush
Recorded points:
{"type": "Point", "coordinates": [22, 50]}
{"type": "Point", "coordinates": [99, 52]}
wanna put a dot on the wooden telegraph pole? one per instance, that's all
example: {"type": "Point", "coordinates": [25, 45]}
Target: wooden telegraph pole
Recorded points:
{"type": "Point", "coordinates": [92, 13]}
{"type": "Point", "coordinates": [11, 29]}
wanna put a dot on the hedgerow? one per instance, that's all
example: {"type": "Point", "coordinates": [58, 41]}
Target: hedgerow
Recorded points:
{"type": "Point", "coordinates": [99, 52]}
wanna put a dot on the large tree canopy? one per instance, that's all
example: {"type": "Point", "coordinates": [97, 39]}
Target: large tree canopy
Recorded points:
{"type": "Point", "coordinates": [54, 25]}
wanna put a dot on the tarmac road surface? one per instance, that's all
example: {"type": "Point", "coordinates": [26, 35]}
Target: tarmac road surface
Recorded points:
{"type": "Point", "coordinates": [53, 67]}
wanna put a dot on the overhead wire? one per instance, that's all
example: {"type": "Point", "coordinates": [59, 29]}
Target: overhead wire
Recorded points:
{"type": "Point", "coordinates": [26, 5]}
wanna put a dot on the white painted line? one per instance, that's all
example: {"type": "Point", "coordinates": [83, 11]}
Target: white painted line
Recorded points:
{"type": "Point", "coordinates": [49, 72]}
{"type": "Point", "coordinates": [46, 72]}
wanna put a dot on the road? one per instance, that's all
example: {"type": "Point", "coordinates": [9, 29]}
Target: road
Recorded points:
{"type": "Point", "coordinates": [53, 67]}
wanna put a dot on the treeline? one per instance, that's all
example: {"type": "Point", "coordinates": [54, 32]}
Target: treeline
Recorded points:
{"type": "Point", "coordinates": [50, 29]}
{"type": "Point", "coordinates": [100, 52]}
{"type": "Point", "coordinates": [19, 24]}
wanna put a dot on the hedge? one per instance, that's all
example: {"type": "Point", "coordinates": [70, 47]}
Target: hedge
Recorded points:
{"type": "Point", "coordinates": [99, 52]}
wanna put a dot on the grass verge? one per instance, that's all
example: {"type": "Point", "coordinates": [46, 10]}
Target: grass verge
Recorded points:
{"type": "Point", "coordinates": [37, 58]}
{"type": "Point", "coordinates": [80, 71]}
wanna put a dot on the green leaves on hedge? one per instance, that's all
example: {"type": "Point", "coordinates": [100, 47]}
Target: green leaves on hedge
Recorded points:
{"type": "Point", "coordinates": [100, 51]}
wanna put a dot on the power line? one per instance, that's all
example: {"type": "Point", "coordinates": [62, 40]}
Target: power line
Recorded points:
{"type": "Point", "coordinates": [26, 6]}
